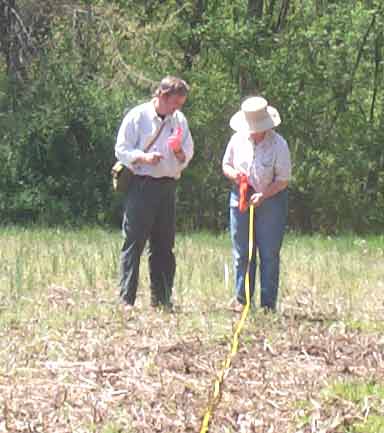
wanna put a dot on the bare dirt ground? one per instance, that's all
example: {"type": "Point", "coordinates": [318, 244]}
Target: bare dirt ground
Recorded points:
{"type": "Point", "coordinates": [138, 373]}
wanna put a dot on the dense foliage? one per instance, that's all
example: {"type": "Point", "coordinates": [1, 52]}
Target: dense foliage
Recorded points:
{"type": "Point", "coordinates": [69, 70]}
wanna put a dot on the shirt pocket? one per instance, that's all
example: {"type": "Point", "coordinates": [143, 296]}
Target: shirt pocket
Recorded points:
{"type": "Point", "coordinates": [267, 160]}
{"type": "Point", "coordinates": [263, 172]}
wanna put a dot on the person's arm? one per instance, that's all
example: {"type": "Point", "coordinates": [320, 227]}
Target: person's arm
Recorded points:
{"type": "Point", "coordinates": [184, 149]}
{"type": "Point", "coordinates": [229, 171]}
{"type": "Point", "coordinates": [273, 188]}
{"type": "Point", "coordinates": [175, 144]}
{"type": "Point", "coordinates": [180, 155]}
{"type": "Point", "coordinates": [282, 175]}
{"type": "Point", "coordinates": [126, 143]}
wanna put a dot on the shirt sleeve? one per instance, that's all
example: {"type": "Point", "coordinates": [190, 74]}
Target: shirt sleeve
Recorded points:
{"type": "Point", "coordinates": [228, 155]}
{"type": "Point", "coordinates": [187, 141]}
{"type": "Point", "coordinates": [283, 167]}
{"type": "Point", "coordinates": [127, 140]}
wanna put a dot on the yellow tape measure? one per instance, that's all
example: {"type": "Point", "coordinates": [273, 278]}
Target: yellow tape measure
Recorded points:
{"type": "Point", "coordinates": [215, 399]}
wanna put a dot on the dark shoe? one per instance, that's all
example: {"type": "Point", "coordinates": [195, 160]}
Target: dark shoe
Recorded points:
{"type": "Point", "coordinates": [268, 310]}
{"type": "Point", "coordinates": [166, 308]}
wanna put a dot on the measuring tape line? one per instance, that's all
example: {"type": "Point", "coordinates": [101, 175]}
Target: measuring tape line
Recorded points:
{"type": "Point", "coordinates": [216, 396]}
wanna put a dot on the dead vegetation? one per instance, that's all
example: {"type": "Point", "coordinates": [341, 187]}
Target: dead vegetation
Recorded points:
{"type": "Point", "coordinates": [139, 372]}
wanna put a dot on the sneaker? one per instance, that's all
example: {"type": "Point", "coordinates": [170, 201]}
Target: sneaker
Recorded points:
{"type": "Point", "coordinates": [236, 306]}
{"type": "Point", "coordinates": [127, 308]}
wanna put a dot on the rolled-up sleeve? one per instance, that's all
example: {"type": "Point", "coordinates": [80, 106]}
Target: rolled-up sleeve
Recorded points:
{"type": "Point", "coordinates": [187, 141]}
{"type": "Point", "coordinates": [228, 155]}
{"type": "Point", "coordinates": [283, 167]}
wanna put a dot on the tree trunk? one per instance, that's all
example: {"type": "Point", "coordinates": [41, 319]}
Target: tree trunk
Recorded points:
{"type": "Point", "coordinates": [255, 8]}
{"type": "Point", "coordinates": [378, 61]}
{"type": "Point", "coordinates": [6, 26]}
{"type": "Point", "coordinates": [192, 49]}
{"type": "Point", "coordinates": [282, 15]}
{"type": "Point", "coordinates": [15, 42]}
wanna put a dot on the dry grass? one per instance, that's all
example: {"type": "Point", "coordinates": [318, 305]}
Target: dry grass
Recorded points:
{"type": "Point", "coordinates": [72, 361]}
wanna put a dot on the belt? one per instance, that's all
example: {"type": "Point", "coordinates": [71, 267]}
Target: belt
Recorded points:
{"type": "Point", "coordinates": [155, 179]}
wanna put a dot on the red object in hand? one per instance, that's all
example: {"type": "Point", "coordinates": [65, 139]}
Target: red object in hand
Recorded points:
{"type": "Point", "coordinates": [243, 188]}
{"type": "Point", "coordinates": [174, 141]}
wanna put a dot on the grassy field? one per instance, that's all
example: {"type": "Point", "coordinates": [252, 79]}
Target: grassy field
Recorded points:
{"type": "Point", "coordinates": [72, 361]}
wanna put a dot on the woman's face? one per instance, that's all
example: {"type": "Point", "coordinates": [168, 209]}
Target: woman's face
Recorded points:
{"type": "Point", "coordinates": [257, 137]}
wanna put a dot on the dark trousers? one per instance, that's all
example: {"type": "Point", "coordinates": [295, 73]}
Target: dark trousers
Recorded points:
{"type": "Point", "coordinates": [149, 214]}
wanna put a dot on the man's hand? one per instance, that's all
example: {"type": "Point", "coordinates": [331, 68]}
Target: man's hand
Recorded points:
{"type": "Point", "coordinates": [174, 140]}
{"type": "Point", "coordinates": [151, 158]}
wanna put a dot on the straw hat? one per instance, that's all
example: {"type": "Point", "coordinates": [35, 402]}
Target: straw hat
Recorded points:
{"type": "Point", "coordinates": [255, 116]}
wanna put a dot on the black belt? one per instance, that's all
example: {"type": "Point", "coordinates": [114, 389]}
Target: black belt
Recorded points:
{"type": "Point", "coordinates": [155, 179]}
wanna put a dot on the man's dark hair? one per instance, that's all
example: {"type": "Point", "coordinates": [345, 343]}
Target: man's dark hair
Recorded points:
{"type": "Point", "coordinates": [172, 86]}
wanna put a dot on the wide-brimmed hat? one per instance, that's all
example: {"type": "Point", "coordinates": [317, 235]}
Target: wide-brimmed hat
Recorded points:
{"type": "Point", "coordinates": [255, 116]}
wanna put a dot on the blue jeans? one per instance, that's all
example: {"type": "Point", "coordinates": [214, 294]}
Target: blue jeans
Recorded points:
{"type": "Point", "coordinates": [269, 227]}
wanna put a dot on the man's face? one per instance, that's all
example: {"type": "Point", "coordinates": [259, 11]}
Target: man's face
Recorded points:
{"type": "Point", "coordinates": [170, 103]}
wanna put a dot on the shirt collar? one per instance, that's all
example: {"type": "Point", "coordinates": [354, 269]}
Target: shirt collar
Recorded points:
{"type": "Point", "coordinates": [266, 139]}
{"type": "Point", "coordinates": [153, 114]}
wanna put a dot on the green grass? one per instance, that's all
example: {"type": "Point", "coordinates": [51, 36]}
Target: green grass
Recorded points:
{"type": "Point", "coordinates": [349, 406]}
{"type": "Point", "coordinates": [356, 392]}
{"type": "Point", "coordinates": [330, 278]}
{"type": "Point", "coordinates": [368, 396]}
{"type": "Point", "coordinates": [342, 277]}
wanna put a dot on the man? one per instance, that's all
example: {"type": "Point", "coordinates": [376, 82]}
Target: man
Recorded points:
{"type": "Point", "coordinates": [149, 212]}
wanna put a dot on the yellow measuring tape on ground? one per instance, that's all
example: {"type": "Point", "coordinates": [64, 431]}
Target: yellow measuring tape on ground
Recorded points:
{"type": "Point", "coordinates": [215, 399]}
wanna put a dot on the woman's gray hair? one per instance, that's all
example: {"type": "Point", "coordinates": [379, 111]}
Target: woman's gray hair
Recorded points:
{"type": "Point", "coordinates": [170, 85]}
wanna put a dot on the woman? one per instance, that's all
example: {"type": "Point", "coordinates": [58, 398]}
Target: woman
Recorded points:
{"type": "Point", "coordinates": [260, 155]}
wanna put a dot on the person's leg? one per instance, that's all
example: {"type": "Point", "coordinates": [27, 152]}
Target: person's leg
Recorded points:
{"type": "Point", "coordinates": [239, 226]}
{"type": "Point", "coordinates": [270, 226]}
{"type": "Point", "coordinates": [137, 221]}
{"type": "Point", "coordinates": [162, 263]}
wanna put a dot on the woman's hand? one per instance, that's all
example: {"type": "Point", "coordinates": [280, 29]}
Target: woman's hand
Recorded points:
{"type": "Point", "coordinates": [237, 176]}
{"type": "Point", "coordinates": [272, 189]}
{"type": "Point", "coordinates": [257, 199]}
{"type": "Point", "coordinates": [233, 174]}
